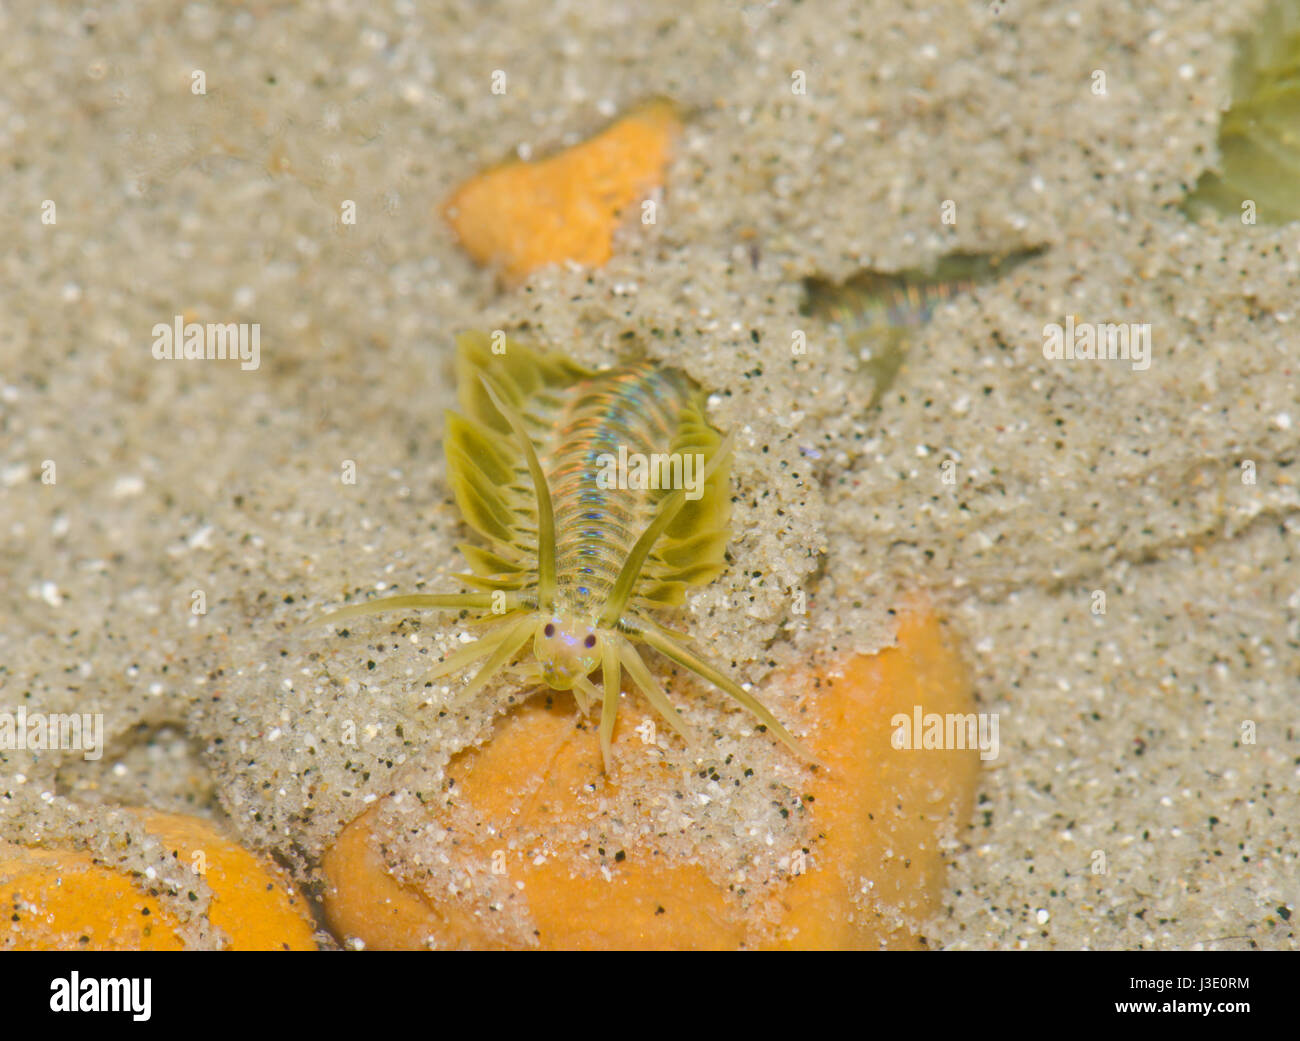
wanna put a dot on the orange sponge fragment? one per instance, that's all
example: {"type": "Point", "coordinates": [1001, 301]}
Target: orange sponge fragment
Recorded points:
{"type": "Point", "coordinates": [520, 216]}
{"type": "Point", "coordinates": [64, 900]}
{"type": "Point", "coordinates": [879, 812]}
{"type": "Point", "coordinates": [61, 900]}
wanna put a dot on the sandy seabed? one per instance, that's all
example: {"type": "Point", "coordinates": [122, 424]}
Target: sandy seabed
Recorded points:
{"type": "Point", "coordinates": [1146, 791]}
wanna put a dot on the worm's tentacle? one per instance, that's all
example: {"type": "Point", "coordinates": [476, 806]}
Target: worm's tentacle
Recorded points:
{"type": "Point", "coordinates": [444, 602]}
{"type": "Point", "coordinates": [526, 673]}
{"type": "Point", "coordinates": [643, 678]}
{"type": "Point", "coordinates": [688, 659]}
{"type": "Point", "coordinates": [489, 620]}
{"type": "Point", "coordinates": [612, 675]}
{"type": "Point", "coordinates": [512, 638]}
{"type": "Point", "coordinates": [472, 652]}
{"type": "Point", "coordinates": [584, 691]}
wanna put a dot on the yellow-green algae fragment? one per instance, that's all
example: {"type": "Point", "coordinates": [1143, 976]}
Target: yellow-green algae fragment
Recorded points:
{"type": "Point", "coordinates": [1259, 135]}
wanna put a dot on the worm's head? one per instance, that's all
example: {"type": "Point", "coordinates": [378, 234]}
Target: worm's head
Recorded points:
{"type": "Point", "coordinates": [567, 647]}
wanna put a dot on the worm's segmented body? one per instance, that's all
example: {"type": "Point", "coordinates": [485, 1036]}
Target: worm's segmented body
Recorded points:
{"type": "Point", "coordinates": [595, 527]}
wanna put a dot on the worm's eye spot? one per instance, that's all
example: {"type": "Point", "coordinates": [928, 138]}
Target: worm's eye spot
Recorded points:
{"type": "Point", "coordinates": [590, 641]}
{"type": "Point", "coordinates": [549, 630]}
